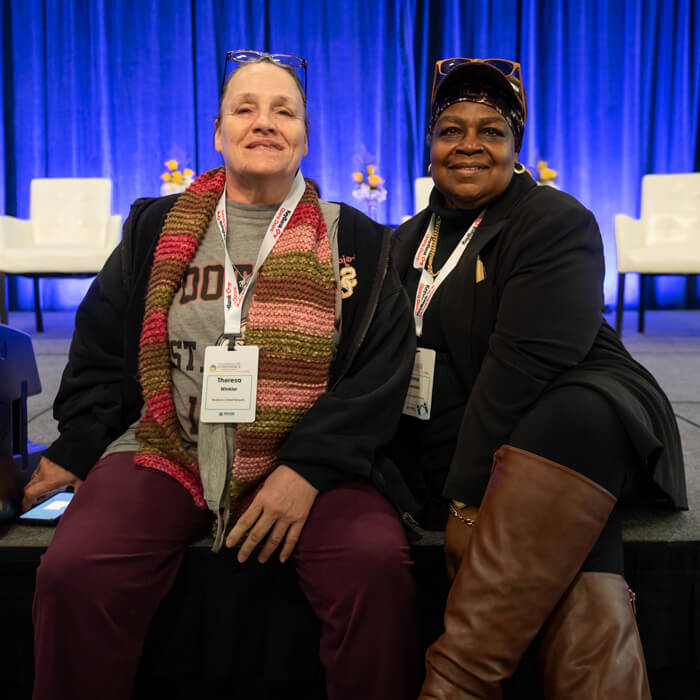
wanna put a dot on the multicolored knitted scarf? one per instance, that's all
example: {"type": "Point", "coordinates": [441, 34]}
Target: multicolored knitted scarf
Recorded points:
{"type": "Point", "coordinates": [291, 320]}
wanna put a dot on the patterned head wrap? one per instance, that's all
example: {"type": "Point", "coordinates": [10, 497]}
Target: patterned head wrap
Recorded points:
{"type": "Point", "coordinates": [482, 83]}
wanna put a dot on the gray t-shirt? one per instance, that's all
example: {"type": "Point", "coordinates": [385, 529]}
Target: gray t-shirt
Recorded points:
{"type": "Point", "coordinates": [196, 316]}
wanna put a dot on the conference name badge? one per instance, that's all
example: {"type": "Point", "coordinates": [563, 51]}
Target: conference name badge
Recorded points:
{"type": "Point", "coordinates": [419, 396]}
{"type": "Point", "coordinates": [229, 384]}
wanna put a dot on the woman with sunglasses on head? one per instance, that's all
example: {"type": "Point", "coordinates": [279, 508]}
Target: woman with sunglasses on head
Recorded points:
{"type": "Point", "coordinates": [227, 291]}
{"type": "Point", "coordinates": [526, 413]}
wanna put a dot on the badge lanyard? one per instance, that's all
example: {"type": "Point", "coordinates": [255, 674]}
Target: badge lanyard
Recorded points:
{"type": "Point", "coordinates": [428, 285]}
{"type": "Point", "coordinates": [233, 297]}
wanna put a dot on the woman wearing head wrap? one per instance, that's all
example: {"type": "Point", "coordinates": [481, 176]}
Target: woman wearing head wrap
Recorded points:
{"type": "Point", "coordinates": [229, 290]}
{"type": "Point", "coordinates": [526, 413]}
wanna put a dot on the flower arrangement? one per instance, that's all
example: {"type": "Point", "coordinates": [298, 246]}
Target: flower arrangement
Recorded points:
{"type": "Point", "coordinates": [545, 174]}
{"type": "Point", "coordinates": [371, 189]}
{"type": "Point", "coordinates": [174, 180]}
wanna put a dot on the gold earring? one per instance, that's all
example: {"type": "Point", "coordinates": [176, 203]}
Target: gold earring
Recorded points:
{"type": "Point", "coordinates": [430, 165]}
{"type": "Point", "coordinates": [519, 168]}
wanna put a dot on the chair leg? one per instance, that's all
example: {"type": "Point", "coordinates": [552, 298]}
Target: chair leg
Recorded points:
{"type": "Point", "coordinates": [37, 306]}
{"type": "Point", "coordinates": [691, 283]}
{"type": "Point", "coordinates": [620, 303]}
{"type": "Point", "coordinates": [640, 320]}
{"type": "Point", "coordinates": [3, 299]}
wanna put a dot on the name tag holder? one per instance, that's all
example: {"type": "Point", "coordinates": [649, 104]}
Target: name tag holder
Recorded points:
{"type": "Point", "coordinates": [419, 397]}
{"type": "Point", "coordinates": [229, 384]}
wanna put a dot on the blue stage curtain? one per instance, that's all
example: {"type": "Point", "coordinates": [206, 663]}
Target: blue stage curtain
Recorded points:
{"type": "Point", "coordinates": [103, 88]}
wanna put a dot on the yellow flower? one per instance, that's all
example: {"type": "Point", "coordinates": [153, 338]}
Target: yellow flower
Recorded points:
{"type": "Point", "coordinates": [371, 169]}
{"type": "Point", "coordinates": [357, 176]}
{"type": "Point", "coordinates": [171, 164]}
{"type": "Point", "coordinates": [166, 177]}
{"type": "Point", "coordinates": [375, 181]}
{"type": "Point", "coordinates": [177, 177]}
{"type": "Point", "coordinates": [187, 172]}
{"type": "Point", "coordinates": [544, 173]}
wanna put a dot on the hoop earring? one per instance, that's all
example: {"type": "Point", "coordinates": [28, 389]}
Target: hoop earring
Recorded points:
{"type": "Point", "coordinates": [430, 165]}
{"type": "Point", "coordinates": [519, 168]}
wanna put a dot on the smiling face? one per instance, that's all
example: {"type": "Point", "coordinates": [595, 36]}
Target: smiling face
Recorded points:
{"type": "Point", "coordinates": [471, 155]}
{"type": "Point", "coordinates": [261, 133]}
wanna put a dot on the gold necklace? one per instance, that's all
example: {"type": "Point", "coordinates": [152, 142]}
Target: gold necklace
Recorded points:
{"type": "Point", "coordinates": [433, 248]}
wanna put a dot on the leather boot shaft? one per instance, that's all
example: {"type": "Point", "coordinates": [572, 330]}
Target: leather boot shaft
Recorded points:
{"type": "Point", "coordinates": [538, 522]}
{"type": "Point", "coordinates": [590, 646]}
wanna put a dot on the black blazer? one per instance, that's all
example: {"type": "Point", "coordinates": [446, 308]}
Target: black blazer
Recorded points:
{"type": "Point", "coordinates": [535, 322]}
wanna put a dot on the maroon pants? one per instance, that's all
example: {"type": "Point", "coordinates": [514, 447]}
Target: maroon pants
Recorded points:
{"type": "Point", "coordinates": [119, 545]}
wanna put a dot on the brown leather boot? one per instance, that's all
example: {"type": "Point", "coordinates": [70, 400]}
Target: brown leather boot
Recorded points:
{"type": "Point", "coordinates": [538, 521]}
{"type": "Point", "coordinates": [590, 646]}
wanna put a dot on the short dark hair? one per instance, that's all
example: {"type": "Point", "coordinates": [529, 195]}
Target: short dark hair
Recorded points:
{"type": "Point", "coordinates": [265, 59]}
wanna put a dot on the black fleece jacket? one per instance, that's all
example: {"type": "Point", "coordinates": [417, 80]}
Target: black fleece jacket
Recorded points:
{"type": "Point", "coordinates": [530, 322]}
{"type": "Point", "coordinates": [338, 439]}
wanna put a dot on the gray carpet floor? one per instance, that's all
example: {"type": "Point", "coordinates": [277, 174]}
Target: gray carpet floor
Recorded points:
{"type": "Point", "coordinates": [670, 349]}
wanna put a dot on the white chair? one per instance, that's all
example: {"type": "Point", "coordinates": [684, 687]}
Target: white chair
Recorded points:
{"type": "Point", "coordinates": [665, 240]}
{"type": "Point", "coordinates": [422, 187]}
{"type": "Point", "coordinates": [70, 233]}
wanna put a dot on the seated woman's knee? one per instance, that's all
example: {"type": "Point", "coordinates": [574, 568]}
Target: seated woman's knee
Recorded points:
{"type": "Point", "coordinates": [577, 427]}
{"type": "Point", "coordinates": [377, 547]}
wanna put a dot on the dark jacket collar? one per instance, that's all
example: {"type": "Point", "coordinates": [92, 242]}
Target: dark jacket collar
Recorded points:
{"type": "Point", "coordinates": [438, 206]}
{"type": "Point", "coordinates": [407, 236]}
{"type": "Point", "coordinates": [497, 208]}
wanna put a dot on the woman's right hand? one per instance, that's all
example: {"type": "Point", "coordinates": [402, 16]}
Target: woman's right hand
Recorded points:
{"type": "Point", "coordinates": [457, 535]}
{"type": "Point", "coordinates": [48, 476]}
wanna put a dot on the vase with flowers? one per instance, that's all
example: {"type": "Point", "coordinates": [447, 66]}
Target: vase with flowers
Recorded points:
{"type": "Point", "coordinates": [174, 179]}
{"type": "Point", "coordinates": [369, 188]}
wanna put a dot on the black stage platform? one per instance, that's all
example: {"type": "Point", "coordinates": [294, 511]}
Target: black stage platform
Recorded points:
{"type": "Point", "coordinates": [244, 632]}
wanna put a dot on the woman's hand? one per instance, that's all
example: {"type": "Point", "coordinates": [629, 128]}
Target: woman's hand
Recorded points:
{"type": "Point", "coordinates": [48, 476]}
{"type": "Point", "coordinates": [278, 512]}
{"type": "Point", "coordinates": [458, 532]}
